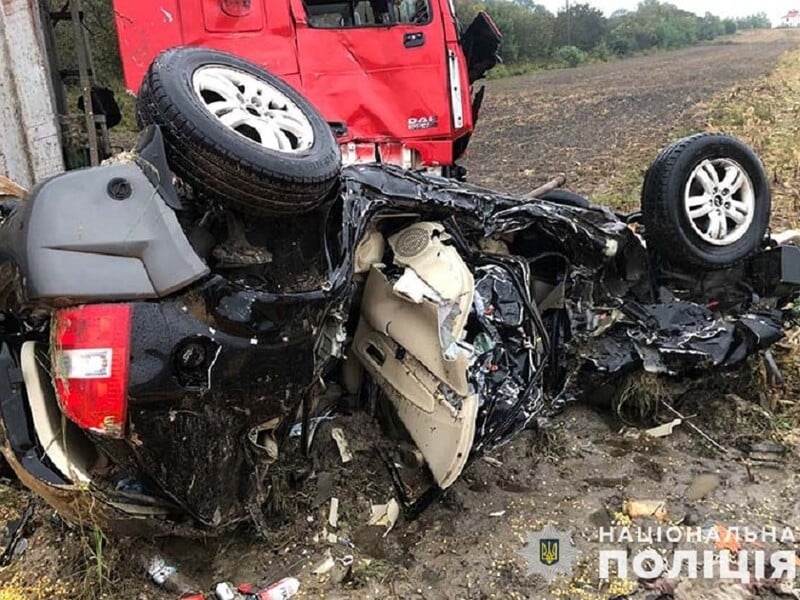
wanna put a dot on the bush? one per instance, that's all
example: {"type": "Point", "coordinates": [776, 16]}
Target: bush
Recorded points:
{"type": "Point", "coordinates": [622, 45]}
{"type": "Point", "coordinates": [601, 52]}
{"type": "Point", "coordinates": [570, 56]}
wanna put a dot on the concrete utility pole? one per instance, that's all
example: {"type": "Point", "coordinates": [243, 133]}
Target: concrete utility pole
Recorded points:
{"type": "Point", "coordinates": [569, 25]}
{"type": "Point", "coordinates": [30, 147]}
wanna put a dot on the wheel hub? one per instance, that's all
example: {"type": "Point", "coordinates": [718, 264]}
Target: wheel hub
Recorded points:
{"type": "Point", "coordinates": [253, 108]}
{"type": "Point", "coordinates": [719, 201]}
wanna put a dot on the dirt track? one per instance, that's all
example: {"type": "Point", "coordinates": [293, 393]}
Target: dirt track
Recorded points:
{"type": "Point", "coordinates": [597, 120]}
{"type": "Point", "coordinates": [591, 122]}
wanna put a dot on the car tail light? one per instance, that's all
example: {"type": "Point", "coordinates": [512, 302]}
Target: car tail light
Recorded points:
{"type": "Point", "coordinates": [91, 352]}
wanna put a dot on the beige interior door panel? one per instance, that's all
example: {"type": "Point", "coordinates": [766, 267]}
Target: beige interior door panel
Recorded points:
{"type": "Point", "coordinates": [442, 432]}
{"type": "Point", "coordinates": [409, 339]}
{"type": "Point", "coordinates": [415, 327]}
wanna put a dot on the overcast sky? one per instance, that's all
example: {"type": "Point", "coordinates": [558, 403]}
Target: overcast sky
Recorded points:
{"type": "Point", "coordinates": [775, 9]}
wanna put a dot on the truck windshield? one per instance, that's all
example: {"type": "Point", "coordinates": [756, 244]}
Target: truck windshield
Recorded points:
{"type": "Point", "coordinates": [366, 13]}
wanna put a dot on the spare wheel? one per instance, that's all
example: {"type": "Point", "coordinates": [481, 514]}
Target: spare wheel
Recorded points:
{"type": "Point", "coordinates": [239, 133]}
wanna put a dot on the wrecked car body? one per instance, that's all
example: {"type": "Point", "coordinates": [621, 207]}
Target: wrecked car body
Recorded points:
{"type": "Point", "coordinates": [452, 335]}
{"type": "Point", "coordinates": [159, 342]}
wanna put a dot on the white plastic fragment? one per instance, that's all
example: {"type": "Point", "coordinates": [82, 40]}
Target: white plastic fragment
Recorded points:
{"type": "Point", "coordinates": [411, 287]}
{"type": "Point", "coordinates": [663, 430]}
{"type": "Point", "coordinates": [497, 513]}
{"type": "Point", "coordinates": [333, 513]}
{"type": "Point", "coordinates": [341, 442]}
{"type": "Point", "coordinates": [159, 570]}
{"type": "Point", "coordinates": [385, 515]}
{"type": "Point", "coordinates": [224, 591]}
{"type": "Point", "coordinates": [326, 565]}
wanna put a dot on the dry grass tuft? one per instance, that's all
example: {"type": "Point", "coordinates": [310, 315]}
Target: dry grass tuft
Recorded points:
{"type": "Point", "coordinates": [10, 188]}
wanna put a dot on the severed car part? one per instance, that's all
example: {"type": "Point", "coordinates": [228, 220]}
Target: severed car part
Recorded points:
{"type": "Point", "coordinates": [710, 193]}
{"type": "Point", "coordinates": [117, 240]}
{"type": "Point", "coordinates": [408, 339]}
{"type": "Point", "coordinates": [244, 136]}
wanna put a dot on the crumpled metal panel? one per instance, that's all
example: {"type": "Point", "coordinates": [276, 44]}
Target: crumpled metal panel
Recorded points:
{"type": "Point", "coordinates": [78, 238]}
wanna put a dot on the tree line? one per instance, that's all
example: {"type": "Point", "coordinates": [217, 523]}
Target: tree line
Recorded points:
{"type": "Point", "coordinates": [532, 34]}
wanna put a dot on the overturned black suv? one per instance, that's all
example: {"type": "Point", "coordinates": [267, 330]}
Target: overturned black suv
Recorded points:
{"type": "Point", "coordinates": [167, 319]}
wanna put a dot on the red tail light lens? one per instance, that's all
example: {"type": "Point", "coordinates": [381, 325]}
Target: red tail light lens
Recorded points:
{"type": "Point", "coordinates": [91, 353]}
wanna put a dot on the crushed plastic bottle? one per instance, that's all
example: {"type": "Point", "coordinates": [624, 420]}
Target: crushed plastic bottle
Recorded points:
{"type": "Point", "coordinates": [167, 577]}
{"type": "Point", "coordinates": [280, 590]}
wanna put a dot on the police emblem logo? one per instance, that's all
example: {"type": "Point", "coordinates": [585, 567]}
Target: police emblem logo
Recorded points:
{"type": "Point", "coordinates": [549, 552]}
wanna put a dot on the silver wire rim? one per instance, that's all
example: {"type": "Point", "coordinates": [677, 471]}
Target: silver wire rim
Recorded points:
{"type": "Point", "coordinates": [719, 201]}
{"type": "Point", "coordinates": [253, 108]}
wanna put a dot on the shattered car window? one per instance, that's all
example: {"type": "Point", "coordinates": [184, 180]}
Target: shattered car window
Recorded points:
{"type": "Point", "coordinates": [366, 13]}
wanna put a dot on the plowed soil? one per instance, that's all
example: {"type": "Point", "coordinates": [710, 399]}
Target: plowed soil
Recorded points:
{"type": "Point", "coordinates": [596, 121]}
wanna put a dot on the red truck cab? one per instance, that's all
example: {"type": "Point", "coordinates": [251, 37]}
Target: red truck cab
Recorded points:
{"type": "Point", "coordinates": [393, 78]}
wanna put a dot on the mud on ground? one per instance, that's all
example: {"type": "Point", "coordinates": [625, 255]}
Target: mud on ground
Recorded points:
{"type": "Point", "coordinates": [601, 124]}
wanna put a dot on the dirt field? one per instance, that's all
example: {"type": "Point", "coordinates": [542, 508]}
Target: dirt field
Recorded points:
{"type": "Point", "coordinates": [597, 122]}
{"type": "Point", "coordinates": [601, 124]}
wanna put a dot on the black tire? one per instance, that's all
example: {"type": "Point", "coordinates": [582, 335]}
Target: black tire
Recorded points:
{"type": "Point", "coordinates": [565, 197]}
{"type": "Point", "coordinates": [668, 227]}
{"type": "Point", "coordinates": [223, 163]}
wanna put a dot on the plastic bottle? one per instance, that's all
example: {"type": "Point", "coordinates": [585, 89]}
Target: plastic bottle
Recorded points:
{"type": "Point", "coordinates": [168, 578]}
{"type": "Point", "coordinates": [280, 590]}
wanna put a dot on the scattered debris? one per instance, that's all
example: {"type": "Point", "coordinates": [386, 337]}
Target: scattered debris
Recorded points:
{"type": "Point", "coordinates": [663, 430]}
{"type": "Point", "coordinates": [167, 577]}
{"type": "Point", "coordinates": [694, 427]}
{"type": "Point", "coordinates": [766, 452]}
{"type": "Point", "coordinates": [13, 540]}
{"type": "Point", "coordinates": [10, 188]}
{"type": "Point", "coordinates": [497, 513]}
{"type": "Point", "coordinates": [727, 539]}
{"type": "Point", "coordinates": [297, 428]}
{"type": "Point", "coordinates": [280, 590]}
{"type": "Point", "coordinates": [774, 375]}
{"type": "Point", "coordinates": [333, 513]}
{"type": "Point", "coordinates": [324, 488]}
{"type": "Point", "coordinates": [645, 508]}
{"type": "Point", "coordinates": [225, 591]}
{"type": "Point", "coordinates": [558, 182]}
{"type": "Point", "coordinates": [385, 515]}
{"type": "Point", "coordinates": [325, 565]}
{"type": "Point", "coordinates": [492, 461]}
{"type": "Point", "coordinates": [341, 442]}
